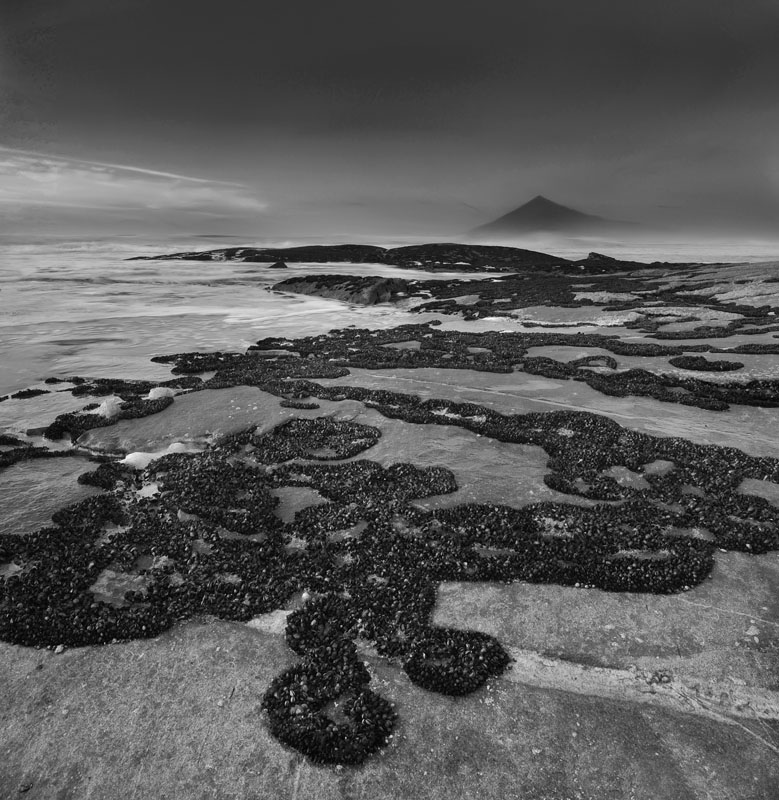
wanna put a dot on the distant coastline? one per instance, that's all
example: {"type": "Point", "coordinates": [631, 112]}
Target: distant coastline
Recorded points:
{"type": "Point", "coordinates": [431, 257]}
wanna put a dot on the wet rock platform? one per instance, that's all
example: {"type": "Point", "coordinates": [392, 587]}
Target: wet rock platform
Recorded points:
{"type": "Point", "coordinates": [420, 562]}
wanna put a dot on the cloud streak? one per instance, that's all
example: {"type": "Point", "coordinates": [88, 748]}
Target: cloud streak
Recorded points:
{"type": "Point", "coordinates": [33, 179]}
{"type": "Point", "coordinates": [388, 116]}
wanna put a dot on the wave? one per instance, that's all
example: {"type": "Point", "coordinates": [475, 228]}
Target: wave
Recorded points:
{"type": "Point", "coordinates": [102, 280]}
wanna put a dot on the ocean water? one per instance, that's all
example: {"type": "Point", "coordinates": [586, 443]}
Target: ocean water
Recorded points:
{"type": "Point", "coordinates": [81, 308]}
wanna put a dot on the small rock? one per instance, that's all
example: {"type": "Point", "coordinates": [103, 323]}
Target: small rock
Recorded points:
{"type": "Point", "coordinates": [60, 648]}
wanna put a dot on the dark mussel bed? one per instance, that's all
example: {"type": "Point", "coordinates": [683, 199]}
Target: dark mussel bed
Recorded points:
{"type": "Point", "coordinates": [207, 540]}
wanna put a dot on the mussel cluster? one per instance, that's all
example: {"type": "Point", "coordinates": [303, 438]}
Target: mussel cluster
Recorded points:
{"type": "Point", "coordinates": [701, 364]}
{"type": "Point", "coordinates": [297, 703]}
{"type": "Point", "coordinates": [506, 352]}
{"type": "Point", "coordinates": [751, 325]}
{"type": "Point", "coordinates": [126, 389]}
{"type": "Point", "coordinates": [26, 452]}
{"type": "Point", "coordinates": [107, 475]}
{"type": "Point", "coordinates": [330, 672]}
{"type": "Point", "coordinates": [302, 405]}
{"type": "Point", "coordinates": [24, 394]}
{"type": "Point", "coordinates": [320, 439]}
{"type": "Point", "coordinates": [134, 405]}
{"type": "Point", "coordinates": [199, 533]}
{"type": "Point", "coordinates": [209, 542]}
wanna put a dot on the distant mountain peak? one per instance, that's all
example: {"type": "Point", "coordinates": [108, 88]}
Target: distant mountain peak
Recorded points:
{"type": "Point", "coordinates": [543, 214]}
{"type": "Point", "coordinates": [539, 200]}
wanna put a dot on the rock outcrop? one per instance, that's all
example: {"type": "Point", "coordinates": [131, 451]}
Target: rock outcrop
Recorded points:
{"type": "Point", "coordinates": [367, 291]}
{"type": "Point", "coordinates": [431, 257]}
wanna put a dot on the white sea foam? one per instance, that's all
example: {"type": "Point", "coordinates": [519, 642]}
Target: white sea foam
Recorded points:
{"type": "Point", "coordinates": [159, 392]}
{"type": "Point", "coordinates": [142, 460]}
{"type": "Point", "coordinates": [110, 407]}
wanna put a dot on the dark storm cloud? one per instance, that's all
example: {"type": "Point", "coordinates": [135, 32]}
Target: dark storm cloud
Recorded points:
{"type": "Point", "coordinates": [610, 105]}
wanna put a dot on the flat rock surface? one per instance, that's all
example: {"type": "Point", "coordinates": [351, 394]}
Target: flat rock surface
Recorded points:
{"type": "Point", "coordinates": [179, 718]}
{"type": "Point", "coordinates": [610, 696]}
{"type": "Point", "coordinates": [195, 417]}
{"type": "Point", "coordinates": [750, 429]}
{"type": "Point", "coordinates": [725, 630]}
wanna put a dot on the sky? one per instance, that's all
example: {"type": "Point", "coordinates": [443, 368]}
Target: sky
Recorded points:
{"type": "Point", "coordinates": [350, 118]}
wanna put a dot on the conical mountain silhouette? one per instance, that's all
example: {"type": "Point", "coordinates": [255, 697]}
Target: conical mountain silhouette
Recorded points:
{"type": "Point", "coordinates": [542, 214]}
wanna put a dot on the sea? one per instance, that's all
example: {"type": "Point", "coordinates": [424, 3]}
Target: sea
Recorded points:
{"type": "Point", "coordinates": [82, 308]}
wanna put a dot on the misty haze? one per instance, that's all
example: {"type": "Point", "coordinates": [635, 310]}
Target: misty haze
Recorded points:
{"type": "Point", "coordinates": [389, 400]}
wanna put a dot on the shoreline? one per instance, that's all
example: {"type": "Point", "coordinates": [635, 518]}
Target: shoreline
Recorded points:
{"type": "Point", "coordinates": [204, 526]}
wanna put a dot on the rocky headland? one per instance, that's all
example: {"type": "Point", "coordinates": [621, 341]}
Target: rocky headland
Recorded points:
{"type": "Point", "coordinates": [363, 291]}
{"type": "Point", "coordinates": [429, 257]}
